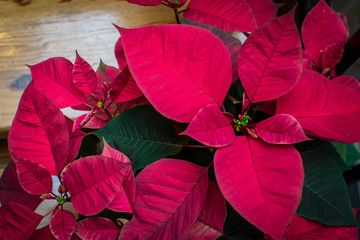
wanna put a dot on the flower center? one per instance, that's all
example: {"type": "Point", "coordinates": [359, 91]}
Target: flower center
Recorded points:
{"type": "Point", "coordinates": [241, 122]}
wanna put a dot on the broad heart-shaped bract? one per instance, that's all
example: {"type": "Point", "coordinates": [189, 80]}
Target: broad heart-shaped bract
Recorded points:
{"type": "Point", "coordinates": [97, 228]}
{"type": "Point", "coordinates": [125, 198]}
{"type": "Point", "coordinates": [34, 178]}
{"type": "Point", "coordinates": [235, 15]}
{"type": "Point", "coordinates": [53, 77]}
{"type": "Point", "coordinates": [210, 222]}
{"type": "Point", "coordinates": [39, 125]}
{"type": "Point", "coordinates": [169, 197]}
{"type": "Point", "coordinates": [270, 60]}
{"type": "Point", "coordinates": [324, 108]}
{"type": "Point", "coordinates": [263, 182]}
{"type": "Point", "coordinates": [301, 228]}
{"type": "Point", "coordinates": [281, 128]}
{"type": "Point", "coordinates": [93, 182]}
{"type": "Point", "coordinates": [211, 127]}
{"type": "Point", "coordinates": [17, 222]}
{"type": "Point", "coordinates": [321, 28]}
{"type": "Point", "coordinates": [11, 190]}
{"type": "Point", "coordinates": [231, 43]}
{"type": "Point", "coordinates": [188, 57]}
{"type": "Point", "coordinates": [62, 224]}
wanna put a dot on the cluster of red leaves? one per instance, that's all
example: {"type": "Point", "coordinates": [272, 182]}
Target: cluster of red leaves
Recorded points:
{"type": "Point", "coordinates": [258, 170]}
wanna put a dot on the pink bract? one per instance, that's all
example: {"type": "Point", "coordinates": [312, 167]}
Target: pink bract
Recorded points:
{"type": "Point", "coordinates": [176, 184]}
{"type": "Point", "coordinates": [270, 60]}
{"type": "Point", "coordinates": [162, 57]}
{"type": "Point", "coordinates": [266, 182]}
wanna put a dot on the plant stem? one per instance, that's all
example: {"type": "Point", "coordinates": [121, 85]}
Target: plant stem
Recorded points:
{"type": "Point", "coordinates": [177, 16]}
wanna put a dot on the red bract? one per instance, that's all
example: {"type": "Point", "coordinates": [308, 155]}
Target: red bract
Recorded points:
{"type": "Point", "coordinates": [324, 35]}
{"type": "Point", "coordinates": [324, 108]}
{"type": "Point", "coordinates": [145, 2]}
{"type": "Point", "coordinates": [270, 60]}
{"type": "Point", "coordinates": [11, 190]}
{"type": "Point", "coordinates": [176, 184]}
{"type": "Point", "coordinates": [209, 224]}
{"type": "Point", "coordinates": [91, 193]}
{"type": "Point", "coordinates": [162, 57]}
{"type": "Point", "coordinates": [125, 198]}
{"type": "Point", "coordinates": [17, 222]}
{"type": "Point", "coordinates": [40, 125]}
{"type": "Point", "coordinates": [211, 127]}
{"type": "Point", "coordinates": [241, 16]}
{"type": "Point", "coordinates": [266, 183]}
{"type": "Point", "coordinates": [34, 178]}
{"type": "Point", "coordinates": [97, 228]}
{"type": "Point", "coordinates": [62, 224]}
{"type": "Point", "coordinates": [282, 128]}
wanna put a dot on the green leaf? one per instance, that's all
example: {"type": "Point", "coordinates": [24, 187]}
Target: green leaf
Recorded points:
{"type": "Point", "coordinates": [323, 147]}
{"type": "Point", "coordinates": [236, 227]}
{"type": "Point", "coordinates": [143, 130]}
{"type": "Point", "coordinates": [88, 146]}
{"type": "Point", "coordinates": [325, 197]}
{"type": "Point", "coordinates": [348, 152]}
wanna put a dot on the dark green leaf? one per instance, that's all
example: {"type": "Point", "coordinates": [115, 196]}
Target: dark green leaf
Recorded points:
{"type": "Point", "coordinates": [348, 152]}
{"type": "Point", "coordinates": [323, 147]}
{"type": "Point", "coordinates": [325, 197]}
{"type": "Point", "coordinates": [237, 228]}
{"type": "Point", "coordinates": [88, 146]}
{"type": "Point", "coordinates": [144, 132]}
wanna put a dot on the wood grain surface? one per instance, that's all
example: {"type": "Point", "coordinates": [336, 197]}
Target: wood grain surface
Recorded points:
{"type": "Point", "coordinates": [46, 28]}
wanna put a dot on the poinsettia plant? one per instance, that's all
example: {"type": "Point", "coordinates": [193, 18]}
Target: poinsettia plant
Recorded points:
{"type": "Point", "coordinates": [193, 135]}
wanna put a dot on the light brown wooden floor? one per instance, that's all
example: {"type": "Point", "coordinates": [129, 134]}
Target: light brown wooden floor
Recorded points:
{"type": "Point", "coordinates": [45, 28]}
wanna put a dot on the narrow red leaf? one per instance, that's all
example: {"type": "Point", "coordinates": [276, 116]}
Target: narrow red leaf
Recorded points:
{"type": "Point", "coordinates": [40, 125]}
{"type": "Point", "coordinates": [91, 193]}
{"type": "Point", "coordinates": [321, 28]}
{"type": "Point", "coordinates": [188, 57]}
{"type": "Point", "coordinates": [349, 81]}
{"type": "Point", "coordinates": [17, 222]}
{"type": "Point", "coordinates": [211, 127]}
{"type": "Point", "coordinates": [76, 136]}
{"type": "Point", "coordinates": [34, 178]}
{"type": "Point", "coordinates": [210, 222]}
{"type": "Point", "coordinates": [97, 228]}
{"type": "Point", "coordinates": [323, 107]}
{"type": "Point", "coordinates": [281, 129]}
{"type": "Point", "coordinates": [12, 192]}
{"type": "Point", "coordinates": [234, 16]}
{"type": "Point", "coordinates": [124, 87]}
{"type": "Point", "coordinates": [62, 224]}
{"type": "Point", "coordinates": [332, 56]}
{"type": "Point", "coordinates": [125, 198]}
{"type": "Point", "coordinates": [180, 187]}
{"type": "Point", "coordinates": [53, 78]}
{"type": "Point", "coordinates": [270, 60]}
{"type": "Point", "coordinates": [263, 182]}
{"type": "Point", "coordinates": [84, 77]}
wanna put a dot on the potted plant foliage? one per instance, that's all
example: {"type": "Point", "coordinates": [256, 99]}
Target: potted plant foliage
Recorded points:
{"type": "Point", "coordinates": [193, 135]}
